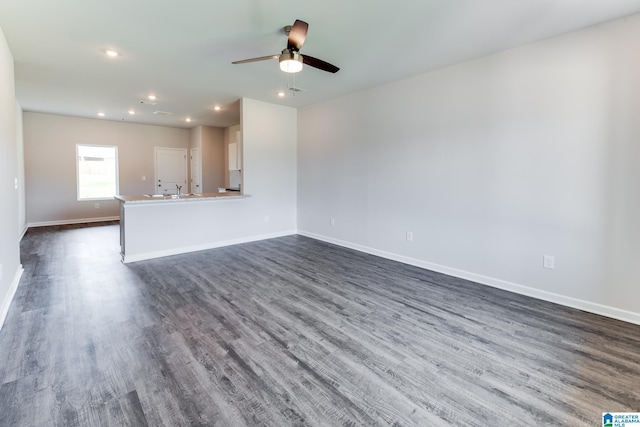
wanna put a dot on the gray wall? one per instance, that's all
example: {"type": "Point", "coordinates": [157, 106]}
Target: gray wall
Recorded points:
{"type": "Point", "coordinates": [492, 164]}
{"type": "Point", "coordinates": [50, 143]}
{"type": "Point", "coordinates": [11, 207]}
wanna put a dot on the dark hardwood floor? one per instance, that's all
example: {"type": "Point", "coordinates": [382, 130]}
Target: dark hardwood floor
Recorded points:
{"type": "Point", "coordinates": [293, 331]}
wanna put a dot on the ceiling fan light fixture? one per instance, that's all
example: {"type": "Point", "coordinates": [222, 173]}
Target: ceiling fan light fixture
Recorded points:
{"type": "Point", "coordinates": [290, 61]}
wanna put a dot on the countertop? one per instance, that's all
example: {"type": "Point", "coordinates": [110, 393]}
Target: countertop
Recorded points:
{"type": "Point", "coordinates": [188, 197]}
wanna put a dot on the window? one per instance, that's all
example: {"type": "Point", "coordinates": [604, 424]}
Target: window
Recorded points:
{"type": "Point", "coordinates": [97, 167]}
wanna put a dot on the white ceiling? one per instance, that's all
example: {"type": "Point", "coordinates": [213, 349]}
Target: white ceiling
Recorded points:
{"type": "Point", "coordinates": [182, 51]}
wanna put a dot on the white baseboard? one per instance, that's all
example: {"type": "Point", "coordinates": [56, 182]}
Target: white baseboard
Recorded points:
{"type": "Point", "coordinates": [6, 303]}
{"type": "Point", "coordinates": [212, 245]}
{"type": "Point", "coordinates": [604, 310]}
{"type": "Point", "coordinates": [24, 231]}
{"type": "Point", "coordinates": [72, 221]}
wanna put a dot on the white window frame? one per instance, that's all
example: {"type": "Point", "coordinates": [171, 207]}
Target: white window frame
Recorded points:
{"type": "Point", "coordinates": [117, 190]}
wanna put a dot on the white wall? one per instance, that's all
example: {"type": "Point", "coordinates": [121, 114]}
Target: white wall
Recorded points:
{"type": "Point", "coordinates": [269, 159]}
{"type": "Point", "coordinates": [492, 164]}
{"type": "Point", "coordinates": [22, 212]}
{"type": "Point", "coordinates": [50, 166]}
{"type": "Point", "coordinates": [10, 148]}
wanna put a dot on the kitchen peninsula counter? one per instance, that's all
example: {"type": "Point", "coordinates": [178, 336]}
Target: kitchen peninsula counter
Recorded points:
{"type": "Point", "coordinates": [156, 226]}
{"type": "Point", "coordinates": [188, 197]}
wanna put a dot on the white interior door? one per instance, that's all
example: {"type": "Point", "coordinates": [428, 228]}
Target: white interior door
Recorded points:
{"type": "Point", "coordinates": [196, 171]}
{"type": "Point", "coordinates": [171, 170]}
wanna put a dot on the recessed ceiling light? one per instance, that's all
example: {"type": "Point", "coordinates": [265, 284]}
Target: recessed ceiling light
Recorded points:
{"type": "Point", "coordinates": [111, 53]}
{"type": "Point", "coordinates": [132, 112]}
{"type": "Point", "coordinates": [281, 94]}
{"type": "Point", "coordinates": [151, 97]}
{"type": "Point", "coordinates": [101, 114]}
{"type": "Point", "coordinates": [188, 119]}
{"type": "Point", "coordinates": [217, 108]}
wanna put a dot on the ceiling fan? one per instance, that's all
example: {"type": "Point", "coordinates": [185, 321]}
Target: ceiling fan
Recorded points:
{"type": "Point", "coordinates": [290, 59]}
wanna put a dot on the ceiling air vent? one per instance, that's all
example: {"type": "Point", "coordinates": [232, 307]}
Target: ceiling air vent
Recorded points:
{"type": "Point", "coordinates": [162, 113]}
{"type": "Point", "coordinates": [142, 101]}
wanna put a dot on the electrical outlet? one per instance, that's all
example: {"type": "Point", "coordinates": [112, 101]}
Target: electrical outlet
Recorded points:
{"type": "Point", "coordinates": [144, 178]}
{"type": "Point", "coordinates": [97, 205]}
{"type": "Point", "coordinates": [332, 221]}
{"type": "Point", "coordinates": [15, 183]}
{"type": "Point", "coordinates": [548, 262]}
{"type": "Point", "coordinates": [266, 218]}
{"type": "Point", "coordinates": [409, 236]}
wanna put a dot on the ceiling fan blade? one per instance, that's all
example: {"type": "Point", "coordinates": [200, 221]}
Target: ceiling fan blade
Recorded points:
{"type": "Point", "coordinates": [319, 64]}
{"type": "Point", "coordinates": [297, 35]}
{"type": "Point", "coordinates": [262, 58]}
